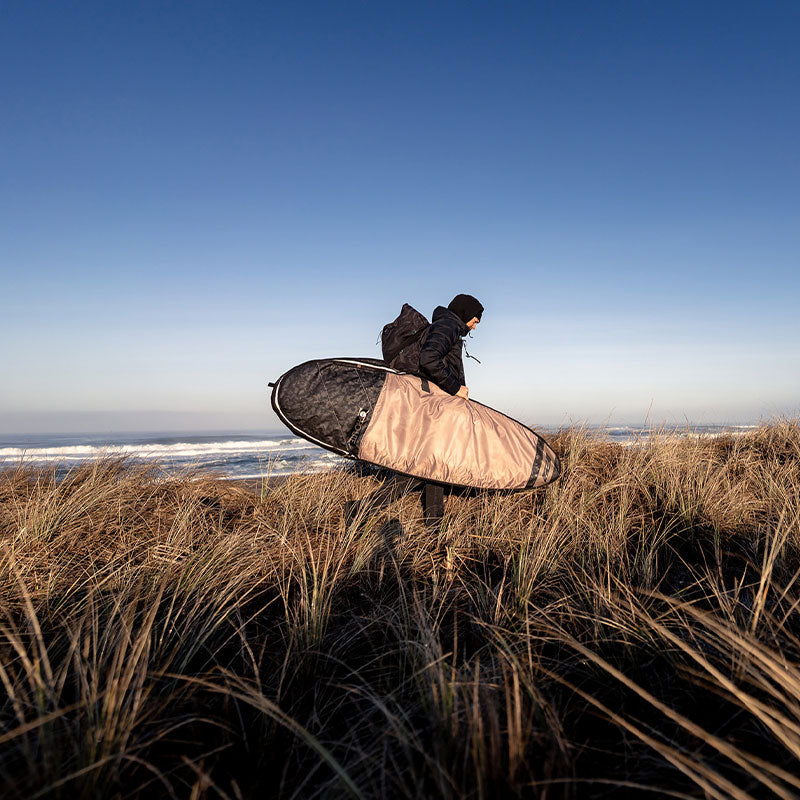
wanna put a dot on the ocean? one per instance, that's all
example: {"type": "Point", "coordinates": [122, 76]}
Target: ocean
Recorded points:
{"type": "Point", "coordinates": [239, 455]}
{"type": "Point", "coordinates": [229, 454]}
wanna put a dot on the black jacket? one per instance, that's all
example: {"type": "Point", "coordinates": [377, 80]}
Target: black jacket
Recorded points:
{"type": "Point", "coordinates": [440, 356]}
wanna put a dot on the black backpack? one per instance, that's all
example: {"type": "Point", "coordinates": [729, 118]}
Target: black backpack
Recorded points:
{"type": "Point", "coordinates": [401, 340]}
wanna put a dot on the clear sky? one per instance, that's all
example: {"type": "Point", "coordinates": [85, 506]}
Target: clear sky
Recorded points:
{"type": "Point", "coordinates": [194, 197]}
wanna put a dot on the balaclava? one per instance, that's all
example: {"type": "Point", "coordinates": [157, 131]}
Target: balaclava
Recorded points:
{"type": "Point", "coordinates": [465, 307]}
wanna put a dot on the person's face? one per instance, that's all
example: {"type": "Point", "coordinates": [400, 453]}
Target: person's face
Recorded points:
{"type": "Point", "coordinates": [473, 323]}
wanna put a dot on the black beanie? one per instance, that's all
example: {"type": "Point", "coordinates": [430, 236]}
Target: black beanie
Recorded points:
{"type": "Point", "coordinates": [465, 307]}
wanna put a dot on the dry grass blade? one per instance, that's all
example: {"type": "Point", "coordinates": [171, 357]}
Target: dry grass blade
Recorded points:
{"type": "Point", "coordinates": [234, 687]}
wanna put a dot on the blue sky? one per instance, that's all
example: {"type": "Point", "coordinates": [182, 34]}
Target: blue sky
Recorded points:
{"type": "Point", "coordinates": [195, 197]}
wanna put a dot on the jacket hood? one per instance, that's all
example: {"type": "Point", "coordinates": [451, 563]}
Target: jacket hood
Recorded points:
{"type": "Point", "coordinates": [441, 312]}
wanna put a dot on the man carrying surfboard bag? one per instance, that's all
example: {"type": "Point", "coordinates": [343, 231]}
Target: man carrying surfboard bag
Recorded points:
{"type": "Point", "coordinates": [440, 360]}
{"type": "Point", "coordinates": [440, 356]}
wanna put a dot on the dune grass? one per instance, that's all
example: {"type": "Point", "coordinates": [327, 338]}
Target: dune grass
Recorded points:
{"type": "Point", "coordinates": [632, 630]}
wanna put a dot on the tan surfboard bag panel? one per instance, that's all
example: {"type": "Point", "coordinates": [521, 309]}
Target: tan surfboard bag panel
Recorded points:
{"type": "Point", "coordinates": [419, 429]}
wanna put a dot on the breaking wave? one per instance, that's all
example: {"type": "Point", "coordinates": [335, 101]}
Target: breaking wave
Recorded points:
{"type": "Point", "coordinates": [232, 457]}
{"type": "Point", "coordinates": [154, 451]}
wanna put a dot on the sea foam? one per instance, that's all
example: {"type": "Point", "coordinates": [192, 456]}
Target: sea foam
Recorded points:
{"type": "Point", "coordinates": [150, 451]}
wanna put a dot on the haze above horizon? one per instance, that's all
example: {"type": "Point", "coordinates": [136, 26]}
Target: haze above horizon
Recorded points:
{"type": "Point", "coordinates": [196, 198]}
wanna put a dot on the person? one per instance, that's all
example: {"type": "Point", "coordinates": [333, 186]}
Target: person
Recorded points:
{"type": "Point", "coordinates": [440, 359]}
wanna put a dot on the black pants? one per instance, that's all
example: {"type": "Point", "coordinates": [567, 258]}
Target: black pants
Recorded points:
{"type": "Point", "coordinates": [432, 504]}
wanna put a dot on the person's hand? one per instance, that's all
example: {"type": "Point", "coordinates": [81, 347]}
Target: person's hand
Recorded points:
{"type": "Point", "coordinates": [463, 392]}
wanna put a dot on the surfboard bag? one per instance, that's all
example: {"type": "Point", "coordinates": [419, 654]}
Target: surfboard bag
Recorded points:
{"type": "Point", "coordinates": [360, 408]}
{"type": "Point", "coordinates": [401, 340]}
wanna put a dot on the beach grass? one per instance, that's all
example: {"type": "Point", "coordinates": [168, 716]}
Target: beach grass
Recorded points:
{"type": "Point", "coordinates": [631, 630]}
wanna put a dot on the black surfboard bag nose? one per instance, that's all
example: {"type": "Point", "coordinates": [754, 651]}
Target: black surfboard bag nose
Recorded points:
{"type": "Point", "coordinates": [401, 340]}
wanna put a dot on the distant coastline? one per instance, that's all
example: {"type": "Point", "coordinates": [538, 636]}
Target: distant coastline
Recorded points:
{"type": "Point", "coordinates": [253, 456]}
